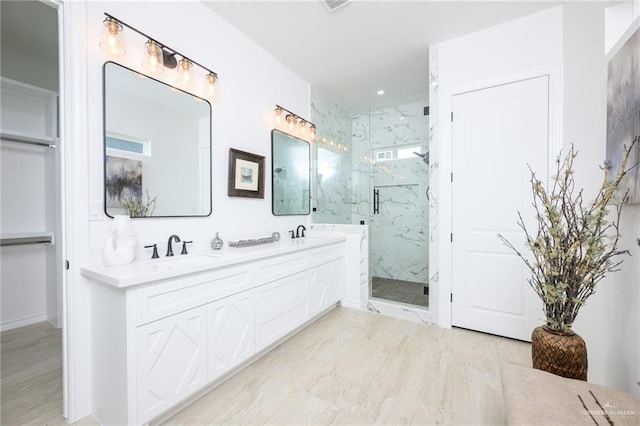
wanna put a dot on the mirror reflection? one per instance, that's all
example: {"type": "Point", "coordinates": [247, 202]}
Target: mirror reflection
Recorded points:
{"type": "Point", "coordinates": [290, 174]}
{"type": "Point", "coordinates": [157, 146]}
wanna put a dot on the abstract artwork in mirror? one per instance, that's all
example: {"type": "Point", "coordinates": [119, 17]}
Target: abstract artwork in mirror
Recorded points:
{"type": "Point", "coordinates": [157, 147]}
{"type": "Point", "coordinates": [290, 174]}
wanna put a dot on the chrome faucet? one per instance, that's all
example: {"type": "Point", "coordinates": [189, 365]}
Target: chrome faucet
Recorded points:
{"type": "Point", "coordinates": [169, 248]}
{"type": "Point", "coordinates": [298, 234]}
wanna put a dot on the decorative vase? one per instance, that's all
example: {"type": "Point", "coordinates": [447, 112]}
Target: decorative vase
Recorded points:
{"type": "Point", "coordinates": [561, 354]}
{"type": "Point", "coordinates": [120, 246]}
{"type": "Point", "coordinates": [217, 242]}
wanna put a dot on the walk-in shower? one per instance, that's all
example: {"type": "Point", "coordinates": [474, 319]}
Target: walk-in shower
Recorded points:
{"type": "Point", "coordinates": [373, 169]}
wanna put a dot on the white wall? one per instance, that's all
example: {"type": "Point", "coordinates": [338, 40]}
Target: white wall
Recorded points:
{"type": "Point", "coordinates": [493, 56]}
{"type": "Point", "coordinates": [570, 50]}
{"type": "Point", "coordinates": [251, 83]}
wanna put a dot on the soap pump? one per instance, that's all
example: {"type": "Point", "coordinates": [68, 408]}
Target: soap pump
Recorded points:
{"type": "Point", "coordinates": [217, 242]}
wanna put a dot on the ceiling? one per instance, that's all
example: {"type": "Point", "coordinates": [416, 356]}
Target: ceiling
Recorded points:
{"type": "Point", "coordinates": [364, 46]}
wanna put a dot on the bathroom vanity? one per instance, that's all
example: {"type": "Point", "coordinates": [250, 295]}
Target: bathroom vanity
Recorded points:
{"type": "Point", "coordinates": [165, 329]}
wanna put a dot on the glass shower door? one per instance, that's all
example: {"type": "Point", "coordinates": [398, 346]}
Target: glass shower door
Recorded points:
{"type": "Point", "coordinates": [399, 211]}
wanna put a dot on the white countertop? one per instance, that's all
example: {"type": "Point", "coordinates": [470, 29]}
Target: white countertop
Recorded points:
{"type": "Point", "coordinates": [149, 270]}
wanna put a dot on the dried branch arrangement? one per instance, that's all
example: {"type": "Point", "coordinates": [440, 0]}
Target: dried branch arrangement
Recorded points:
{"type": "Point", "coordinates": [134, 207]}
{"type": "Point", "coordinates": [575, 245]}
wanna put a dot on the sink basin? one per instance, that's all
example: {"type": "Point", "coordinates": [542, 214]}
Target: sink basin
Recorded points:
{"type": "Point", "coordinates": [180, 262]}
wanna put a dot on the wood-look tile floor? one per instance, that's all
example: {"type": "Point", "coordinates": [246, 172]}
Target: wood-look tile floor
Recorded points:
{"type": "Point", "coordinates": [349, 367]}
{"type": "Point", "coordinates": [31, 375]}
{"type": "Point", "coordinates": [359, 368]}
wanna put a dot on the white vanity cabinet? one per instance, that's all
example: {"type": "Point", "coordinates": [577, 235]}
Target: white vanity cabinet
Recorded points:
{"type": "Point", "coordinates": [158, 343]}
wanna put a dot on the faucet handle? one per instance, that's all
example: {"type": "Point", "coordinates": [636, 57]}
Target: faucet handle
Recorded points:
{"type": "Point", "coordinates": [293, 235]}
{"type": "Point", "coordinates": [155, 250]}
{"type": "Point", "coordinates": [184, 246]}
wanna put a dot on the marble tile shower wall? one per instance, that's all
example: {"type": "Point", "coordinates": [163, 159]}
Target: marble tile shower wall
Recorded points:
{"type": "Point", "coordinates": [331, 194]}
{"type": "Point", "coordinates": [400, 231]}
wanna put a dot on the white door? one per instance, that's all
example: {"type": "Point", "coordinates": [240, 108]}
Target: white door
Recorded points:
{"type": "Point", "coordinates": [496, 133]}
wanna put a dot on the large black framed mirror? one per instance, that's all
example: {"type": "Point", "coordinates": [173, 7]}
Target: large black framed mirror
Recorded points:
{"type": "Point", "coordinates": [290, 177]}
{"type": "Point", "coordinates": [157, 147]}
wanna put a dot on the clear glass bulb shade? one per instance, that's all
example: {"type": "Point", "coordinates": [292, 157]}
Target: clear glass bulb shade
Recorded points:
{"type": "Point", "coordinates": [278, 112]}
{"type": "Point", "coordinates": [291, 122]}
{"type": "Point", "coordinates": [185, 73]}
{"type": "Point", "coordinates": [210, 85]}
{"type": "Point", "coordinates": [112, 37]}
{"type": "Point", "coordinates": [153, 59]}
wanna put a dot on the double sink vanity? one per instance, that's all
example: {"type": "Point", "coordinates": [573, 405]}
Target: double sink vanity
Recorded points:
{"type": "Point", "coordinates": [164, 330]}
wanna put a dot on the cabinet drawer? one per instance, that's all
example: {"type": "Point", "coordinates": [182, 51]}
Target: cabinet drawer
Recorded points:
{"type": "Point", "coordinates": [157, 301]}
{"type": "Point", "coordinates": [326, 254]}
{"type": "Point", "coordinates": [273, 296]}
{"type": "Point", "coordinates": [281, 266]}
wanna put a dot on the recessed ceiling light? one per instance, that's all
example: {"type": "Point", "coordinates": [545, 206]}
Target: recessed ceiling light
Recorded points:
{"type": "Point", "coordinates": [380, 92]}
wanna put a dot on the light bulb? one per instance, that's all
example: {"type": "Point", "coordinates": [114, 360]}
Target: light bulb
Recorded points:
{"type": "Point", "coordinates": [312, 132]}
{"type": "Point", "coordinates": [302, 126]}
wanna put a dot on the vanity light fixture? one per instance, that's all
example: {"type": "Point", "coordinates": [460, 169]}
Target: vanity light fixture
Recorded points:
{"type": "Point", "coordinates": [153, 60]}
{"type": "Point", "coordinates": [158, 56]}
{"type": "Point", "coordinates": [295, 124]}
{"type": "Point", "coordinates": [112, 37]}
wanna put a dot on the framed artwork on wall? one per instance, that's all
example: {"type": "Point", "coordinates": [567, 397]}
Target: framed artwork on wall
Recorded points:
{"type": "Point", "coordinates": [246, 174]}
{"type": "Point", "coordinates": [623, 108]}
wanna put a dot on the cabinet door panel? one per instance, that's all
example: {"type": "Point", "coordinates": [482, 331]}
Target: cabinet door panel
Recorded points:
{"type": "Point", "coordinates": [231, 333]}
{"type": "Point", "coordinates": [171, 361]}
{"type": "Point", "coordinates": [327, 285]}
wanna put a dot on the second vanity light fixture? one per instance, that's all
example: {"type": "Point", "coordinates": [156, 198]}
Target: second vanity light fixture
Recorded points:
{"type": "Point", "coordinates": [157, 56]}
{"type": "Point", "coordinates": [294, 124]}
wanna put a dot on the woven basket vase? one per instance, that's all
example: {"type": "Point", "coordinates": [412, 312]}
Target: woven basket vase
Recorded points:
{"type": "Point", "coordinates": [561, 354]}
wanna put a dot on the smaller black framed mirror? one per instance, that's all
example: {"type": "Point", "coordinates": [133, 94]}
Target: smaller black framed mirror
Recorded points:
{"type": "Point", "coordinates": [290, 174]}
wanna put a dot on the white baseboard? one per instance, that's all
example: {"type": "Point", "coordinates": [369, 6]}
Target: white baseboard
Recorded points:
{"type": "Point", "coordinates": [351, 304]}
{"type": "Point", "coordinates": [10, 325]}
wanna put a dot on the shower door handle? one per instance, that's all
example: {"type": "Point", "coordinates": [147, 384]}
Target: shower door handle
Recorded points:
{"type": "Point", "coordinates": [376, 201]}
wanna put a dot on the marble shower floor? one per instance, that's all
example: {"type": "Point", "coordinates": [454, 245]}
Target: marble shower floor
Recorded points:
{"type": "Point", "coordinates": [399, 291]}
{"type": "Point", "coordinates": [359, 368]}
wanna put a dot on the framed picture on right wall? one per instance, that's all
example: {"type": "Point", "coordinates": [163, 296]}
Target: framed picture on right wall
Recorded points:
{"type": "Point", "coordinates": [623, 107]}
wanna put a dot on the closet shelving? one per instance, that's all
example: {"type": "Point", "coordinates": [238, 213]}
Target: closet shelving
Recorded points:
{"type": "Point", "coordinates": [29, 116]}
{"type": "Point", "coordinates": [29, 219]}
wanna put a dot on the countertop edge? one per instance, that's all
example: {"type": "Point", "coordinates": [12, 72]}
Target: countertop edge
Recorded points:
{"type": "Point", "coordinates": [125, 276]}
